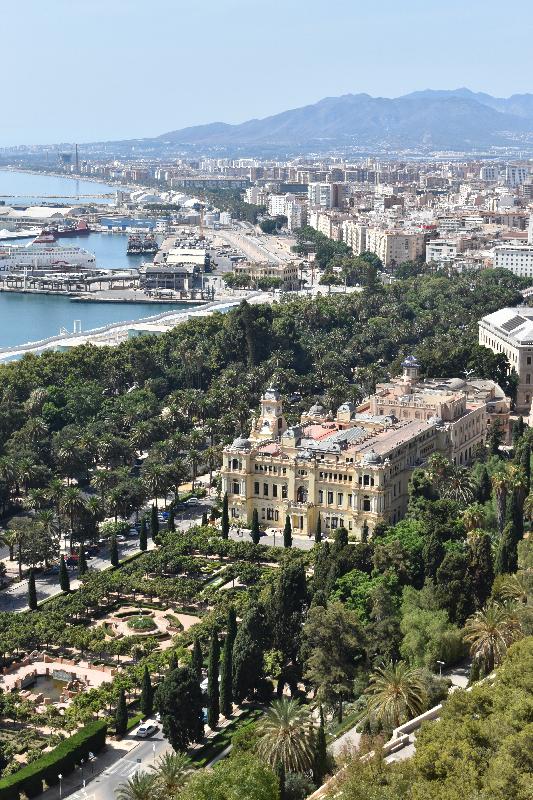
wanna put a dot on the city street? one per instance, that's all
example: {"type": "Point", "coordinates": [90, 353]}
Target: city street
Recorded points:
{"type": "Point", "coordinates": [110, 769]}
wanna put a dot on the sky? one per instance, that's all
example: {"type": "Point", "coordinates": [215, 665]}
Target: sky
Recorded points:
{"type": "Point", "coordinates": [94, 70]}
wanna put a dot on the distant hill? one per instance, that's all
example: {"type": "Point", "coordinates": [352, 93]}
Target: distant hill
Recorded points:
{"type": "Point", "coordinates": [432, 118]}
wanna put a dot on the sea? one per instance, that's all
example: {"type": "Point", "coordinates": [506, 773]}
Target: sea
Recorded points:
{"type": "Point", "coordinates": [30, 318]}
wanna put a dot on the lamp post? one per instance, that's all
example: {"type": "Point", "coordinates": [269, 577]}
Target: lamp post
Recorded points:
{"type": "Point", "coordinates": [60, 786]}
{"type": "Point", "coordinates": [441, 665]}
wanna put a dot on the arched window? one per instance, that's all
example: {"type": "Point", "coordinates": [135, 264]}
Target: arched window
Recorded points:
{"type": "Point", "coordinates": [301, 495]}
{"type": "Point", "coordinates": [366, 503]}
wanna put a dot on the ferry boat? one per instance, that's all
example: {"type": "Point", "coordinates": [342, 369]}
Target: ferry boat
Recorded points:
{"type": "Point", "coordinates": [48, 254]}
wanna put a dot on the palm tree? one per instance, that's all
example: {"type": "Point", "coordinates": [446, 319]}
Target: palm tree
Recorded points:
{"type": "Point", "coordinates": [287, 735]}
{"type": "Point", "coordinates": [73, 503]}
{"type": "Point", "coordinates": [55, 492]}
{"type": "Point", "coordinates": [473, 517]}
{"type": "Point", "coordinates": [489, 633]}
{"type": "Point", "coordinates": [396, 693]}
{"type": "Point", "coordinates": [172, 771]}
{"type": "Point", "coordinates": [437, 468]}
{"type": "Point", "coordinates": [141, 786]}
{"type": "Point", "coordinates": [500, 486]}
{"type": "Point", "coordinates": [10, 539]}
{"type": "Point", "coordinates": [515, 588]}
{"type": "Point", "coordinates": [458, 485]}
{"type": "Point", "coordinates": [193, 456]}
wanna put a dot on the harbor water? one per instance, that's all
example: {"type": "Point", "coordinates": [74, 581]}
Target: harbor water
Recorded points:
{"type": "Point", "coordinates": [31, 317]}
{"type": "Point", "coordinates": [25, 188]}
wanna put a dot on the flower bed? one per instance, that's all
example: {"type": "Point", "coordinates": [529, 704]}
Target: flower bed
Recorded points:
{"type": "Point", "coordinates": [142, 624]}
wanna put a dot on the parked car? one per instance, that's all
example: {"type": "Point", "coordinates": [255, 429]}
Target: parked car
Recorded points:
{"type": "Point", "coordinates": [145, 730]}
{"type": "Point", "coordinates": [121, 539]}
{"type": "Point", "coordinates": [72, 561]}
{"type": "Point", "coordinates": [192, 501]}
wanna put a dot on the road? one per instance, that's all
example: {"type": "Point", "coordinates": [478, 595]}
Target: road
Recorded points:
{"type": "Point", "coordinates": [107, 772]}
{"type": "Point", "coordinates": [15, 598]}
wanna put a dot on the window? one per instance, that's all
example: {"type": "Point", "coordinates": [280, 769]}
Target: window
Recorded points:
{"type": "Point", "coordinates": [276, 516]}
{"type": "Point", "coordinates": [528, 360]}
{"type": "Point", "coordinates": [275, 490]}
{"type": "Point", "coordinates": [340, 498]}
{"type": "Point", "coordinates": [262, 513]}
{"type": "Point", "coordinates": [330, 498]}
{"type": "Point", "coordinates": [256, 487]}
{"type": "Point", "coordinates": [528, 378]}
{"type": "Point", "coordinates": [366, 503]}
{"type": "Point", "coordinates": [320, 496]}
{"type": "Point", "coordinates": [234, 513]}
{"type": "Point", "coordinates": [236, 487]}
{"type": "Point", "coordinates": [270, 513]}
{"type": "Point", "coordinates": [284, 491]}
{"type": "Point", "coordinates": [350, 497]}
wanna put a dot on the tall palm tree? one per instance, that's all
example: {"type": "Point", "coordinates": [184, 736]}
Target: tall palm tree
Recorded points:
{"type": "Point", "coordinates": [72, 503]}
{"type": "Point", "coordinates": [437, 468]}
{"type": "Point", "coordinates": [500, 485]}
{"type": "Point", "coordinates": [55, 492]}
{"type": "Point", "coordinates": [172, 770]}
{"type": "Point", "coordinates": [490, 631]}
{"type": "Point", "coordinates": [473, 517]}
{"type": "Point", "coordinates": [287, 735]}
{"type": "Point", "coordinates": [141, 786]}
{"type": "Point", "coordinates": [458, 485]}
{"type": "Point", "coordinates": [516, 588]}
{"type": "Point", "coordinates": [396, 693]}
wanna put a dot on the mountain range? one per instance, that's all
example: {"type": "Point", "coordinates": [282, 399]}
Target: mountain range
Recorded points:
{"type": "Point", "coordinates": [458, 118]}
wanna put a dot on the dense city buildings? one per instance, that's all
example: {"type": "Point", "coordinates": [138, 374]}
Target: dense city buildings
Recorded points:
{"type": "Point", "coordinates": [510, 331]}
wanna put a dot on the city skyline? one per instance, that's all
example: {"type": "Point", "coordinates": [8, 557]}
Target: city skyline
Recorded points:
{"type": "Point", "coordinates": [129, 69]}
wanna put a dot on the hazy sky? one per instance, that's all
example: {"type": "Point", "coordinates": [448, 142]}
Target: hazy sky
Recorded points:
{"type": "Point", "coordinates": [85, 70]}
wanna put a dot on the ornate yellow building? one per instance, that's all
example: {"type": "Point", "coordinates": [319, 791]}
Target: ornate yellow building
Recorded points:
{"type": "Point", "coordinates": [352, 468]}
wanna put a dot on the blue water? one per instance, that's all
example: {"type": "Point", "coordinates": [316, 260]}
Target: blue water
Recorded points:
{"type": "Point", "coordinates": [24, 188]}
{"type": "Point", "coordinates": [30, 317]}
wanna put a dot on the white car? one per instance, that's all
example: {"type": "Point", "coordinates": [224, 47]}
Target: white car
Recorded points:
{"type": "Point", "coordinates": [192, 501]}
{"type": "Point", "coordinates": [146, 729]}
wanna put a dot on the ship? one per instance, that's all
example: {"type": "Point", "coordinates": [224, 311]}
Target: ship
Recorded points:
{"type": "Point", "coordinates": [45, 254]}
{"type": "Point", "coordinates": [138, 245]}
{"type": "Point", "coordinates": [51, 233]}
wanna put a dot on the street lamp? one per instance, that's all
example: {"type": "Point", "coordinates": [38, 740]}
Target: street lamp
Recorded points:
{"type": "Point", "coordinates": [441, 665]}
{"type": "Point", "coordinates": [60, 786]}
{"type": "Point", "coordinates": [153, 750]}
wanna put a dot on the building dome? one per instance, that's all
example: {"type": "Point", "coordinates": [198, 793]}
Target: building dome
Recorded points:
{"type": "Point", "coordinates": [316, 410]}
{"type": "Point", "coordinates": [240, 443]}
{"type": "Point", "coordinates": [272, 394]}
{"type": "Point", "coordinates": [371, 457]}
{"type": "Point", "coordinates": [347, 407]}
{"type": "Point", "coordinates": [410, 362]}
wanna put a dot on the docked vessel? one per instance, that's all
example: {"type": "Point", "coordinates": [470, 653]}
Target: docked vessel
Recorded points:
{"type": "Point", "coordinates": [46, 254]}
{"type": "Point", "coordinates": [81, 229]}
{"type": "Point", "coordinates": [138, 245]}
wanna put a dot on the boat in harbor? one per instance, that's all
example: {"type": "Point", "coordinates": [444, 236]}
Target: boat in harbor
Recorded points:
{"type": "Point", "coordinates": [140, 245]}
{"type": "Point", "coordinates": [44, 254]}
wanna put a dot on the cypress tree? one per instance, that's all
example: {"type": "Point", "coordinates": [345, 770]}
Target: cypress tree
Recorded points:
{"type": "Point", "coordinates": [484, 485]}
{"type": "Point", "coordinates": [147, 694]}
{"type": "Point", "coordinates": [204, 519]}
{"type": "Point", "coordinates": [154, 523]}
{"type": "Point", "coordinates": [64, 580]}
{"type": "Point", "coordinates": [113, 552]}
{"type": "Point", "coordinates": [82, 561]}
{"type": "Point", "coordinates": [255, 533]}
{"type": "Point", "coordinates": [248, 653]}
{"type": "Point", "coordinates": [213, 691]}
{"type": "Point", "coordinates": [507, 557]}
{"type": "Point", "coordinates": [225, 517]}
{"type": "Point", "coordinates": [173, 661]}
{"type": "Point", "coordinates": [495, 438]}
{"type": "Point", "coordinates": [121, 715]}
{"type": "Point", "coordinates": [197, 660]}
{"type": "Point", "coordinates": [480, 569]}
{"type": "Point", "coordinates": [318, 532]}
{"type": "Point", "coordinates": [518, 430]}
{"type": "Point", "coordinates": [287, 532]}
{"type": "Point", "coordinates": [143, 536]}
{"type": "Point", "coordinates": [226, 677]}
{"type": "Point", "coordinates": [171, 524]}
{"type": "Point", "coordinates": [32, 592]}
{"type": "Point", "coordinates": [280, 774]}
{"type": "Point", "coordinates": [320, 765]}
{"type": "Point", "coordinates": [525, 463]}
{"type": "Point", "coordinates": [364, 532]}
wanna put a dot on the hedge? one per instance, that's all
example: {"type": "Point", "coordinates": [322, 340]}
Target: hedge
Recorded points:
{"type": "Point", "coordinates": [59, 761]}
